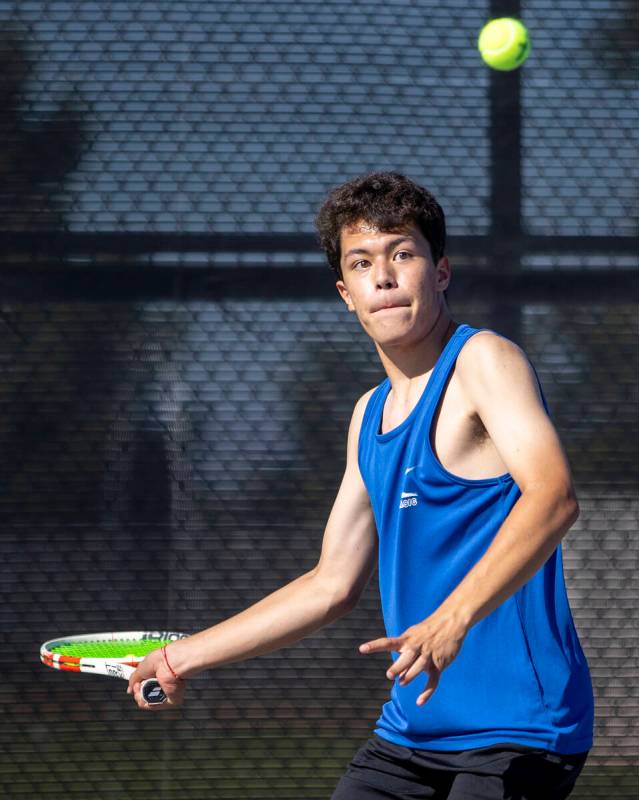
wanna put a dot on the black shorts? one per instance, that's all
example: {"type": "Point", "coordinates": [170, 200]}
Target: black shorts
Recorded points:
{"type": "Point", "coordinates": [382, 770]}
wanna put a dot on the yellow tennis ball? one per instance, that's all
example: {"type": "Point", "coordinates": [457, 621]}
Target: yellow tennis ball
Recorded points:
{"type": "Point", "coordinates": [504, 43]}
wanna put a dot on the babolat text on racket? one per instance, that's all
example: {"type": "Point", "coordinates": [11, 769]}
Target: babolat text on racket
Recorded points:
{"type": "Point", "coordinates": [115, 655]}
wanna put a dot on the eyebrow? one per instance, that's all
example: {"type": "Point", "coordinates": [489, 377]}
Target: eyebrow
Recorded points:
{"type": "Point", "coordinates": [389, 246]}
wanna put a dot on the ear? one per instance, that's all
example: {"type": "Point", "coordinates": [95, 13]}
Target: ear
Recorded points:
{"type": "Point", "coordinates": [443, 272]}
{"type": "Point", "coordinates": [344, 294]}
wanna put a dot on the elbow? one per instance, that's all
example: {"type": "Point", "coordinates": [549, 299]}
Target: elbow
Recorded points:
{"type": "Point", "coordinates": [575, 511]}
{"type": "Point", "coordinates": [345, 600]}
{"type": "Point", "coordinates": [568, 507]}
{"type": "Point", "coordinates": [572, 506]}
{"type": "Point", "coordinates": [341, 598]}
{"type": "Point", "coordinates": [562, 507]}
{"type": "Point", "coordinates": [350, 602]}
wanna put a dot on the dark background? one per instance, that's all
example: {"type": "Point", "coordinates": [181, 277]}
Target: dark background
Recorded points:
{"type": "Point", "coordinates": [179, 372]}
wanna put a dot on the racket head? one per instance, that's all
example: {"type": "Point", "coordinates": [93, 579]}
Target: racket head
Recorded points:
{"type": "Point", "coordinates": [90, 650]}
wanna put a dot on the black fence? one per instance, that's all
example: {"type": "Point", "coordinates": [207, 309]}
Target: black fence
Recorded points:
{"type": "Point", "coordinates": [179, 371]}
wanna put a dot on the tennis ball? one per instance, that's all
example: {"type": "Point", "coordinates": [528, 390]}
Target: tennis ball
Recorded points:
{"type": "Point", "coordinates": [504, 43]}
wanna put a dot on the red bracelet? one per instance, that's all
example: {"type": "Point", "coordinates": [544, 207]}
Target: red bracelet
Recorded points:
{"type": "Point", "coordinates": [171, 670]}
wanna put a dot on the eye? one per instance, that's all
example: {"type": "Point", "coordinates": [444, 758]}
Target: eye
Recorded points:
{"type": "Point", "coordinates": [357, 263]}
{"type": "Point", "coordinates": [403, 253]}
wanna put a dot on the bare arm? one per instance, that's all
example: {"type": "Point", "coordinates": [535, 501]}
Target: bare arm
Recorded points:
{"type": "Point", "coordinates": [501, 387]}
{"type": "Point", "coordinates": [308, 603]}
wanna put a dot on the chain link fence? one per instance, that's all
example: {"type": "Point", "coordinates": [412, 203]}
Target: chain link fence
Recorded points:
{"type": "Point", "coordinates": [179, 373]}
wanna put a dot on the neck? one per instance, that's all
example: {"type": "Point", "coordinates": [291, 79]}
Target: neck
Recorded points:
{"type": "Point", "coordinates": [408, 365]}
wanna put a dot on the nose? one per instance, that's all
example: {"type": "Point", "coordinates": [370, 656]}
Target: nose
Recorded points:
{"type": "Point", "coordinates": [384, 275]}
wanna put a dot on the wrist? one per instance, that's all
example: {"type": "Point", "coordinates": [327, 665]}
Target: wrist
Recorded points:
{"type": "Point", "coordinates": [176, 659]}
{"type": "Point", "coordinates": [167, 664]}
{"type": "Point", "coordinates": [460, 618]}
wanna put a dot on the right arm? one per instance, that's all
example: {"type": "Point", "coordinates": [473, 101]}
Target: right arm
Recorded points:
{"type": "Point", "coordinates": [313, 600]}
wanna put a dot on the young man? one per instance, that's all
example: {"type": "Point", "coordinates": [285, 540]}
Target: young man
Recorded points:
{"type": "Point", "coordinates": [456, 483]}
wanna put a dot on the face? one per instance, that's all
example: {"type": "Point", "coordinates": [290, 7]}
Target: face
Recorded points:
{"type": "Point", "coordinates": [391, 282]}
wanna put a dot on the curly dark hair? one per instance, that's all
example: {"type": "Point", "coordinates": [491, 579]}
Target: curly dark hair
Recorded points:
{"type": "Point", "coordinates": [388, 201]}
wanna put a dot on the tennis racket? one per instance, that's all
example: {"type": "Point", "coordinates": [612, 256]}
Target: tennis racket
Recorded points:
{"type": "Point", "coordinates": [115, 655]}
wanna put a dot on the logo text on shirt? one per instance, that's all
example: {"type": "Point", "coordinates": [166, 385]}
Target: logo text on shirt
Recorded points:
{"type": "Point", "coordinates": [408, 499]}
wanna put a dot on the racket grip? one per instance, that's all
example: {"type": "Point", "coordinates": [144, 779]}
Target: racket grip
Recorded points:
{"type": "Point", "coordinates": [152, 692]}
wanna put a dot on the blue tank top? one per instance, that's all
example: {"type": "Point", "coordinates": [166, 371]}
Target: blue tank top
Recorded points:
{"type": "Point", "coordinates": [521, 675]}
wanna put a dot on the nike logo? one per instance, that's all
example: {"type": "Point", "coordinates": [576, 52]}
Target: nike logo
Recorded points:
{"type": "Point", "coordinates": [406, 471]}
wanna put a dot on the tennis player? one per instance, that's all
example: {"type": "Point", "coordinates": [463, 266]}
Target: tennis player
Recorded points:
{"type": "Point", "coordinates": [457, 487]}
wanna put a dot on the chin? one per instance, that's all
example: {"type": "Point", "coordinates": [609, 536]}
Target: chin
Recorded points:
{"type": "Point", "coordinates": [392, 337]}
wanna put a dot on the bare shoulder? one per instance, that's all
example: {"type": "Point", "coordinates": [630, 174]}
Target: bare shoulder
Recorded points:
{"type": "Point", "coordinates": [487, 357]}
{"type": "Point", "coordinates": [499, 384]}
{"type": "Point", "coordinates": [360, 405]}
{"type": "Point", "coordinates": [356, 422]}
{"type": "Point", "coordinates": [489, 345]}
{"type": "Point", "coordinates": [360, 408]}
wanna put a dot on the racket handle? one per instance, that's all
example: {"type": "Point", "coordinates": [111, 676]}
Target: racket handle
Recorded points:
{"type": "Point", "coordinates": [152, 692]}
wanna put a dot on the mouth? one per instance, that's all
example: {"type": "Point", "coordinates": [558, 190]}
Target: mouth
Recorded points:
{"type": "Point", "coordinates": [388, 308]}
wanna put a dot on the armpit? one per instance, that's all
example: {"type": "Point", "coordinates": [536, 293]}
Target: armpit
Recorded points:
{"type": "Point", "coordinates": [479, 434]}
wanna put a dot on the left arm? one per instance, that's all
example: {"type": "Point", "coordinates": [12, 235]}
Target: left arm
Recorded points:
{"type": "Point", "coordinates": [501, 386]}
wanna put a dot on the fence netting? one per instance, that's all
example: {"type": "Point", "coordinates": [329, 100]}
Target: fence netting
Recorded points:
{"type": "Point", "coordinates": [170, 457]}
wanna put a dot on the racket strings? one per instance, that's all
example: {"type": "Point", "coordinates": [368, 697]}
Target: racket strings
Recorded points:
{"type": "Point", "coordinates": [110, 649]}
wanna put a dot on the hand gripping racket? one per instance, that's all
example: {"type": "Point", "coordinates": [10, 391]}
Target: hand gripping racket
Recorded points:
{"type": "Point", "coordinates": [115, 655]}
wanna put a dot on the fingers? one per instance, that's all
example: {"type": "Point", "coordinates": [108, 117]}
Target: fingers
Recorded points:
{"type": "Point", "coordinates": [172, 688]}
{"type": "Point", "coordinates": [135, 688]}
{"type": "Point", "coordinates": [409, 663]}
{"type": "Point", "coordinates": [405, 661]}
{"type": "Point", "coordinates": [134, 683]}
{"type": "Point", "coordinates": [427, 647]}
{"type": "Point", "coordinates": [408, 666]}
{"type": "Point", "coordinates": [380, 645]}
{"type": "Point", "coordinates": [433, 683]}
{"type": "Point", "coordinates": [174, 699]}
{"type": "Point", "coordinates": [420, 664]}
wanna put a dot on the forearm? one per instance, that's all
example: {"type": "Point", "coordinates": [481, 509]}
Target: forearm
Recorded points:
{"type": "Point", "coordinates": [525, 541]}
{"type": "Point", "coordinates": [302, 606]}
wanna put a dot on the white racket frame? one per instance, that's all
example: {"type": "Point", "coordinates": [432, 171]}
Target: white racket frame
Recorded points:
{"type": "Point", "coordinates": [110, 667]}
